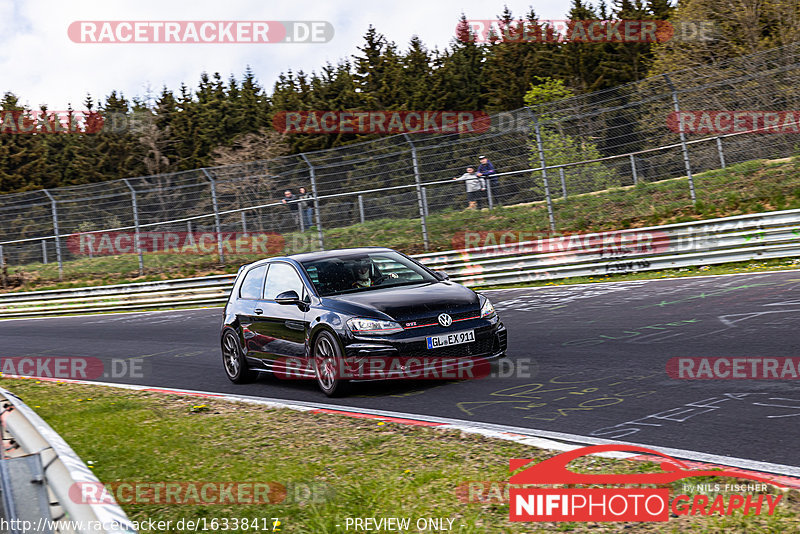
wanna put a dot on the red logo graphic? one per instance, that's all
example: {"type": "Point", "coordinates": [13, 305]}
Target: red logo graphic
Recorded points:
{"type": "Point", "coordinates": [619, 504]}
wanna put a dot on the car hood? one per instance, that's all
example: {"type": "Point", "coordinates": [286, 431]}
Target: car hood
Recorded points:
{"type": "Point", "coordinates": [409, 302]}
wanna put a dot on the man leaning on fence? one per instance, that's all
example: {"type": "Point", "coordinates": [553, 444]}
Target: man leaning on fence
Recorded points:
{"type": "Point", "coordinates": [289, 200]}
{"type": "Point", "coordinates": [487, 171]}
{"type": "Point", "coordinates": [306, 208]}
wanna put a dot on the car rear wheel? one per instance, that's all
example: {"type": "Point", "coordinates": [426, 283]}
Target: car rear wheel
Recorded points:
{"type": "Point", "coordinates": [234, 361]}
{"type": "Point", "coordinates": [328, 365]}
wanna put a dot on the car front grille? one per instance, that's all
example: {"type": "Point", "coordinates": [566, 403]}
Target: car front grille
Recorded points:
{"type": "Point", "coordinates": [430, 321]}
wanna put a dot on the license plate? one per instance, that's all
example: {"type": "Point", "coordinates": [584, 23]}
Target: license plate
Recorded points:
{"type": "Point", "coordinates": [456, 338]}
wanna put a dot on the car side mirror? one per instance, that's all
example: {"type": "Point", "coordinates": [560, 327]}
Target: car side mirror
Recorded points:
{"type": "Point", "coordinates": [441, 275]}
{"type": "Point", "coordinates": [288, 297]}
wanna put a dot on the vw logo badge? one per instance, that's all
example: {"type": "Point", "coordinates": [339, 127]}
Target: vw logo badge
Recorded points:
{"type": "Point", "coordinates": [445, 320]}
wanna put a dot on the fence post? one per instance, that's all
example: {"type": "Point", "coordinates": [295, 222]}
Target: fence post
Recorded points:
{"type": "Point", "coordinates": [563, 182]}
{"type": "Point", "coordinates": [425, 200]}
{"type": "Point", "coordinates": [216, 214]}
{"type": "Point", "coordinates": [420, 202]}
{"type": "Point", "coordinates": [543, 165]}
{"type": "Point", "coordinates": [361, 207]}
{"type": "Point", "coordinates": [720, 152]}
{"type": "Point", "coordinates": [489, 194]}
{"type": "Point", "coordinates": [684, 148]}
{"type": "Point", "coordinates": [137, 242]}
{"type": "Point", "coordinates": [55, 231]}
{"type": "Point", "coordinates": [633, 169]}
{"type": "Point", "coordinates": [44, 251]}
{"type": "Point", "coordinates": [2, 266]}
{"type": "Point", "coordinates": [244, 223]}
{"type": "Point", "coordinates": [313, 175]}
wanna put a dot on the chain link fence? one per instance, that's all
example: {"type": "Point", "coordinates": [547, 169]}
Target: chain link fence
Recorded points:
{"type": "Point", "coordinates": [592, 142]}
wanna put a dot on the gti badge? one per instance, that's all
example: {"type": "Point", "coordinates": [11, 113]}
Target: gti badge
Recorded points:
{"type": "Point", "coordinates": [445, 320]}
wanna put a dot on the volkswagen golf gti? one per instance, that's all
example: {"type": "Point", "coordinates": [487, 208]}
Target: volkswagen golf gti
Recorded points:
{"type": "Point", "coordinates": [353, 314]}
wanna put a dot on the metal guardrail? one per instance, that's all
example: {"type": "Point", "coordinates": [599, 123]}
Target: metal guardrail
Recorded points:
{"type": "Point", "coordinates": [713, 241]}
{"type": "Point", "coordinates": [26, 435]}
{"type": "Point", "coordinates": [723, 240]}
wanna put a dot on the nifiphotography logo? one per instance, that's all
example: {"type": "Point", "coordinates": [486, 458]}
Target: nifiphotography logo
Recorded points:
{"type": "Point", "coordinates": [623, 504]}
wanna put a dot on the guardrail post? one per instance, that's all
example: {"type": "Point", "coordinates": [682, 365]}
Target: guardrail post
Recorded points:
{"type": "Point", "coordinates": [216, 214]}
{"type": "Point", "coordinates": [137, 242]}
{"type": "Point", "coordinates": [633, 170]}
{"type": "Point", "coordinates": [419, 191]}
{"type": "Point", "coordinates": [720, 152]}
{"type": "Point", "coordinates": [44, 251]}
{"type": "Point", "coordinates": [543, 165]}
{"type": "Point", "coordinates": [684, 148]}
{"type": "Point", "coordinates": [361, 207]}
{"type": "Point", "coordinates": [312, 173]}
{"type": "Point", "coordinates": [57, 236]}
{"type": "Point", "coordinates": [2, 267]}
{"type": "Point", "coordinates": [563, 182]}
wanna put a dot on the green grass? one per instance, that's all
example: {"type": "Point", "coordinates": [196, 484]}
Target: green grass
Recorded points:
{"type": "Point", "coordinates": [751, 187]}
{"type": "Point", "coordinates": [355, 467]}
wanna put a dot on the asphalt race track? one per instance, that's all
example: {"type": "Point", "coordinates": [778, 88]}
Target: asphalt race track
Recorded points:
{"type": "Point", "coordinates": [587, 360]}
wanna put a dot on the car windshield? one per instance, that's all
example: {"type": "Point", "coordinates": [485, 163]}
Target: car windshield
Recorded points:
{"type": "Point", "coordinates": [350, 273]}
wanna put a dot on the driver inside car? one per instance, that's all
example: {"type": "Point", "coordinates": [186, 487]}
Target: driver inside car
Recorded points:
{"type": "Point", "coordinates": [362, 273]}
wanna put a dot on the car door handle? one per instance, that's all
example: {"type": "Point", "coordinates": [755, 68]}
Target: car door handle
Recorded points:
{"type": "Point", "coordinates": [258, 311]}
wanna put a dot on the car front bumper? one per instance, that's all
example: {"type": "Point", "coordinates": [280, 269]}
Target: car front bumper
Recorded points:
{"type": "Point", "coordinates": [407, 356]}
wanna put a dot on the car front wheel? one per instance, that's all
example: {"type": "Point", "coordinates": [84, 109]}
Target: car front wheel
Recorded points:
{"type": "Point", "coordinates": [327, 365]}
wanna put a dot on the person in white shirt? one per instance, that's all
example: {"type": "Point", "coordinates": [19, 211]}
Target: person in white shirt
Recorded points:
{"type": "Point", "coordinates": [475, 188]}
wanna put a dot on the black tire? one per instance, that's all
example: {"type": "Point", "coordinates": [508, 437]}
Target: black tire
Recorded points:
{"type": "Point", "coordinates": [327, 357]}
{"type": "Point", "coordinates": [233, 360]}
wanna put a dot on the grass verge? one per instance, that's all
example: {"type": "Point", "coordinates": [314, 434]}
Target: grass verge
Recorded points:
{"type": "Point", "coordinates": [356, 467]}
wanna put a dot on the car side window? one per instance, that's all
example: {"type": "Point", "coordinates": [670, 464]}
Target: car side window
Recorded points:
{"type": "Point", "coordinates": [252, 283]}
{"type": "Point", "coordinates": [282, 277]}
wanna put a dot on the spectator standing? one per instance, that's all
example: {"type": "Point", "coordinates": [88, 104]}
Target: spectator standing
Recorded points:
{"type": "Point", "coordinates": [306, 208]}
{"type": "Point", "coordinates": [289, 201]}
{"type": "Point", "coordinates": [487, 171]}
{"type": "Point", "coordinates": [475, 188]}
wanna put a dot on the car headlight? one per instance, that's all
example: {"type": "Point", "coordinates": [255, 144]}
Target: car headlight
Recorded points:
{"type": "Point", "coordinates": [360, 325]}
{"type": "Point", "coordinates": [487, 310]}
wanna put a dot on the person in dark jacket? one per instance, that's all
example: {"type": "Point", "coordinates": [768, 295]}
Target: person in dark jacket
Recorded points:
{"type": "Point", "coordinates": [487, 171]}
{"type": "Point", "coordinates": [306, 208]}
{"type": "Point", "coordinates": [288, 200]}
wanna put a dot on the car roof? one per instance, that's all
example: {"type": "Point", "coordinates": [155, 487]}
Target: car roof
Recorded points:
{"type": "Point", "coordinates": [322, 254]}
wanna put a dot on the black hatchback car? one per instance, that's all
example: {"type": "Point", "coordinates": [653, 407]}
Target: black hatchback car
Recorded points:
{"type": "Point", "coordinates": [340, 315]}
